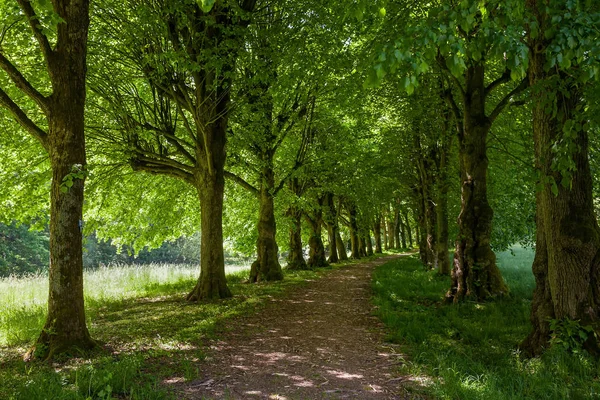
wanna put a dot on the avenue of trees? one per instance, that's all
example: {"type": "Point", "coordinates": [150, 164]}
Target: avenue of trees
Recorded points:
{"type": "Point", "coordinates": [271, 126]}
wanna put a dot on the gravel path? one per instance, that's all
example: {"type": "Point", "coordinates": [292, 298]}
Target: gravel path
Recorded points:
{"type": "Point", "coordinates": [320, 341]}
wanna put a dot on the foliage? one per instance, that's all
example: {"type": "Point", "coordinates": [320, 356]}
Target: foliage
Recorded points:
{"type": "Point", "coordinates": [469, 351]}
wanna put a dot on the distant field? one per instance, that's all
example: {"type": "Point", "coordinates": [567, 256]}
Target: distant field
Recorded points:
{"type": "Point", "coordinates": [23, 299]}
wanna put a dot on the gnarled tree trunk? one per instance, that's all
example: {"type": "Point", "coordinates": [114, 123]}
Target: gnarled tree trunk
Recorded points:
{"type": "Point", "coordinates": [266, 267]}
{"type": "Point", "coordinates": [295, 259]}
{"type": "Point", "coordinates": [567, 258]}
{"type": "Point", "coordinates": [316, 255]}
{"type": "Point", "coordinates": [475, 273]}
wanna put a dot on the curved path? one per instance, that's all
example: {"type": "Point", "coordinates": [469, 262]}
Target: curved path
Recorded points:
{"type": "Point", "coordinates": [319, 341]}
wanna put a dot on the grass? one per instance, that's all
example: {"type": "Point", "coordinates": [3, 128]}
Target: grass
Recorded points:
{"type": "Point", "coordinates": [469, 351]}
{"type": "Point", "coordinates": [151, 338]}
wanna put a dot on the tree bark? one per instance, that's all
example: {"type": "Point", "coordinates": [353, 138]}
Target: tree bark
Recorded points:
{"type": "Point", "coordinates": [377, 234]}
{"type": "Point", "coordinates": [408, 231]}
{"type": "Point", "coordinates": [475, 273]}
{"type": "Point", "coordinates": [266, 267]}
{"type": "Point", "coordinates": [442, 250]}
{"type": "Point", "coordinates": [295, 259]}
{"type": "Point", "coordinates": [567, 259]}
{"type": "Point", "coordinates": [316, 255]}
{"type": "Point", "coordinates": [390, 232]}
{"type": "Point", "coordinates": [65, 328]}
{"type": "Point", "coordinates": [369, 245]}
{"type": "Point", "coordinates": [386, 244]}
{"type": "Point", "coordinates": [212, 284]}
{"type": "Point", "coordinates": [341, 247]}
{"type": "Point", "coordinates": [397, 226]}
{"type": "Point", "coordinates": [330, 218]}
{"type": "Point", "coordinates": [354, 238]}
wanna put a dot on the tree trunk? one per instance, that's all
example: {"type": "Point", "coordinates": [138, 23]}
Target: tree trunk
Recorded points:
{"type": "Point", "coordinates": [295, 258]}
{"type": "Point", "coordinates": [397, 228]}
{"type": "Point", "coordinates": [266, 267]}
{"type": "Point", "coordinates": [390, 231]}
{"type": "Point", "coordinates": [212, 284]}
{"type": "Point", "coordinates": [65, 328]}
{"type": "Point", "coordinates": [386, 244]}
{"type": "Point", "coordinates": [475, 273]}
{"type": "Point", "coordinates": [362, 246]}
{"type": "Point", "coordinates": [408, 231]}
{"type": "Point", "coordinates": [402, 232]}
{"type": "Point", "coordinates": [316, 253]}
{"type": "Point", "coordinates": [332, 227]}
{"type": "Point", "coordinates": [422, 229]}
{"type": "Point", "coordinates": [369, 245]}
{"type": "Point", "coordinates": [442, 250]}
{"type": "Point", "coordinates": [377, 234]}
{"type": "Point", "coordinates": [354, 238]}
{"type": "Point", "coordinates": [341, 246]}
{"type": "Point", "coordinates": [567, 258]}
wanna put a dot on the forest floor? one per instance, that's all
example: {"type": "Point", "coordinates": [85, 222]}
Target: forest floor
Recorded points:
{"type": "Point", "coordinates": [319, 341]}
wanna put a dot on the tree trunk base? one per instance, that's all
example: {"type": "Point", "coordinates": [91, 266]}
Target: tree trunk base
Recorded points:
{"type": "Point", "coordinates": [258, 274]}
{"type": "Point", "coordinates": [199, 295]}
{"type": "Point", "coordinates": [49, 346]}
{"type": "Point", "coordinates": [297, 266]}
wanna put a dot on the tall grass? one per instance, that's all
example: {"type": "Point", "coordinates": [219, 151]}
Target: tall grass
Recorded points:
{"type": "Point", "coordinates": [23, 299]}
{"type": "Point", "coordinates": [470, 350]}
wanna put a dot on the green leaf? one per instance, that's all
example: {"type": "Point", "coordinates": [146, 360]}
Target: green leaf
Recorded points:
{"type": "Point", "coordinates": [382, 11]}
{"type": "Point", "coordinates": [206, 5]}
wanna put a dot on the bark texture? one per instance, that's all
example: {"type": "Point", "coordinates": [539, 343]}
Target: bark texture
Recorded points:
{"type": "Point", "coordinates": [266, 267]}
{"type": "Point", "coordinates": [65, 328]}
{"type": "Point", "coordinates": [567, 259]}
{"type": "Point", "coordinates": [341, 247]}
{"type": "Point", "coordinates": [295, 259]}
{"type": "Point", "coordinates": [331, 221]}
{"type": "Point", "coordinates": [354, 237]}
{"type": "Point", "coordinates": [475, 273]}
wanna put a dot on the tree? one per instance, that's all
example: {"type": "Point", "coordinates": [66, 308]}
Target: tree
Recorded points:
{"type": "Point", "coordinates": [563, 59]}
{"type": "Point", "coordinates": [467, 41]}
{"type": "Point", "coordinates": [174, 122]}
{"type": "Point", "coordinates": [61, 34]}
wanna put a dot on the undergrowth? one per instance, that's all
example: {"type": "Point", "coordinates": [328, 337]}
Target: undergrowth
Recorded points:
{"type": "Point", "coordinates": [469, 351]}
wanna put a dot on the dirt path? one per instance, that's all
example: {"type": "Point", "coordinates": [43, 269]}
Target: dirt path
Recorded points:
{"type": "Point", "coordinates": [319, 342]}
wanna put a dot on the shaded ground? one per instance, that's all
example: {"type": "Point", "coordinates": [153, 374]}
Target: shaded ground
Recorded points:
{"type": "Point", "coordinates": [319, 342]}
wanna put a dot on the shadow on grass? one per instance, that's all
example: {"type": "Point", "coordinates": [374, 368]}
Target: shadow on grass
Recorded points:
{"type": "Point", "coordinates": [147, 341]}
{"type": "Point", "coordinates": [470, 350]}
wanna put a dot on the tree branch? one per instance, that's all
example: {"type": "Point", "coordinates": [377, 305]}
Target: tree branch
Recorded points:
{"type": "Point", "coordinates": [23, 119]}
{"type": "Point", "coordinates": [35, 25]}
{"type": "Point", "coordinates": [522, 86]}
{"type": "Point", "coordinates": [442, 63]}
{"type": "Point", "coordinates": [237, 179]}
{"type": "Point", "coordinates": [155, 168]}
{"type": "Point", "coordinates": [23, 84]}
{"type": "Point", "coordinates": [504, 78]}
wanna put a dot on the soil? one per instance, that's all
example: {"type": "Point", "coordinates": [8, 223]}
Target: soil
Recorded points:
{"type": "Point", "coordinates": [319, 341]}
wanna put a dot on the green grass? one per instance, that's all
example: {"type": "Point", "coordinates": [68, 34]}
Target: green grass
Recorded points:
{"type": "Point", "coordinates": [151, 338]}
{"type": "Point", "coordinates": [469, 351]}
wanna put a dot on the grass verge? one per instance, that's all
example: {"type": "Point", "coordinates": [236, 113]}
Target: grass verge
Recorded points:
{"type": "Point", "coordinates": [469, 351]}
